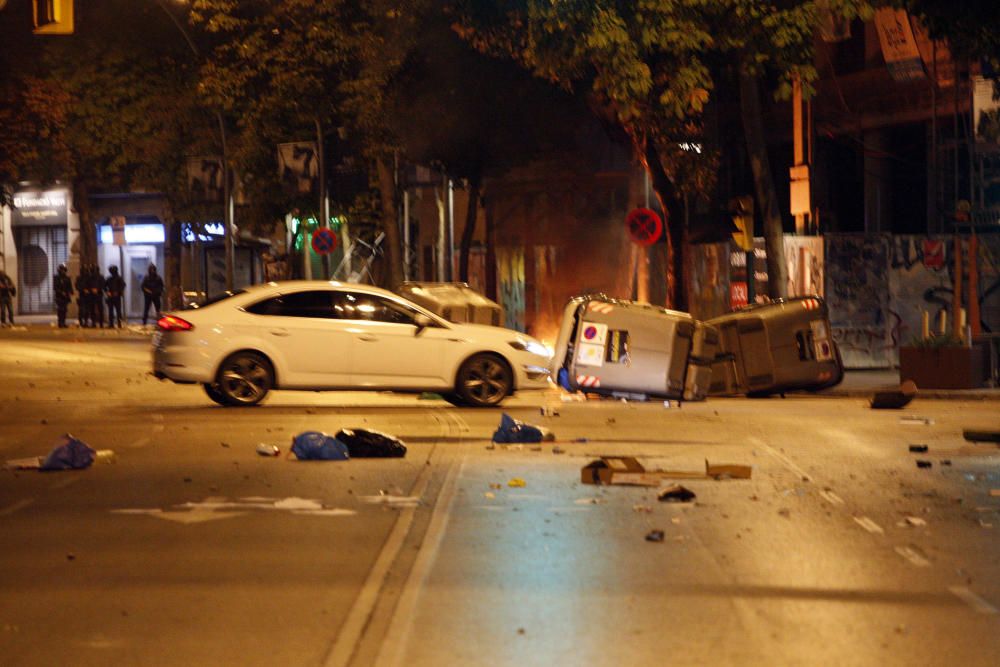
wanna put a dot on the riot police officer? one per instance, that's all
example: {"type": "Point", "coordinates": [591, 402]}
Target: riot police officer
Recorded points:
{"type": "Point", "coordinates": [63, 288]}
{"type": "Point", "coordinates": [152, 290]}
{"type": "Point", "coordinates": [95, 292]}
{"type": "Point", "coordinates": [114, 291]}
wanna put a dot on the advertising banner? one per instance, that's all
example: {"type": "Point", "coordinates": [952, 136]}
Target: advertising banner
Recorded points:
{"type": "Point", "coordinates": [40, 208]}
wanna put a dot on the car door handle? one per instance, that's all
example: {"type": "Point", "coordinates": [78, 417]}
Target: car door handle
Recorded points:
{"type": "Point", "coordinates": [368, 338]}
{"type": "Point", "coordinates": [279, 332]}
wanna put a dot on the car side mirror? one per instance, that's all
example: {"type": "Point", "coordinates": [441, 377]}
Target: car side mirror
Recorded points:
{"type": "Point", "coordinates": [422, 322]}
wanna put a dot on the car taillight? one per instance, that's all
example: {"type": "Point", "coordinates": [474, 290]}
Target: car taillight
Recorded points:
{"type": "Point", "coordinates": [173, 323]}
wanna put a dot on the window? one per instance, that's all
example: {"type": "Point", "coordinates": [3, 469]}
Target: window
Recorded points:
{"type": "Point", "coordinates": [299, 304]}
{"type": "Point", "coordinates": [371, 308]}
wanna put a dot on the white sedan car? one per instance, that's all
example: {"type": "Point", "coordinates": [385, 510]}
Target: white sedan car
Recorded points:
{"type": "Point", "coordinates": [318, 335]}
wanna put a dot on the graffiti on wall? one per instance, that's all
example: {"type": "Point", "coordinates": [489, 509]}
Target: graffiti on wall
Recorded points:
{"type": "Point", "coordinates": [510, 276]}
{"type": "Point", "coordinates": [857, 293]}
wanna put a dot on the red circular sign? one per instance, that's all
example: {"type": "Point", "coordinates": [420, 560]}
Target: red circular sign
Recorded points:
{"type": "Point", "coordinates": [324, 241]}
{"type": "Point", "coordinates": [644, 226]}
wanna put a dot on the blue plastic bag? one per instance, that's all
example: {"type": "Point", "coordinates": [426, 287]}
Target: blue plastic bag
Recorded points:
{"type": "Point", "coordinates": [69, 454]}
{"type": "Point", "coordinates": [316, 446]}
{"type": "Point", "coordinates": [512, 430]}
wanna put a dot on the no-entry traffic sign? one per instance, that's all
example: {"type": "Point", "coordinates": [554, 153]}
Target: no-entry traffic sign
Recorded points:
{"type": "Point", "coordinates": [644, 226]}
{"type": "Point", "coordinates": [324, 241]}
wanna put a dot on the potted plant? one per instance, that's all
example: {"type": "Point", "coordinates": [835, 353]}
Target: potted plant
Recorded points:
{"type": "Point", "coordinates": [943, 362]}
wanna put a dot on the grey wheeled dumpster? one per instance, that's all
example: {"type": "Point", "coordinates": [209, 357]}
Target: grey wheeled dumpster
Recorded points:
{"type": "Point", "coordinates": [455, 302]}
{"type": "Point", "coordinates": [776, 347]}
{"type": "Point", "coordinates": [626, 349]}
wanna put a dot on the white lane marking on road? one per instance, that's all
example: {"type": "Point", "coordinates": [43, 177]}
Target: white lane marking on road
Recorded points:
{"type": "Point", "coordinates": [393, 648]}
{"type": "Point", "coordinates": [869, 525]}
{"type": "Point", "coordinates": [357, 618]}
{"type": "Point", "coordinates": [912, 556]}
{"type": "Point", "coordinates": [968, 597]}
{"type": "Point", "coordinates": [791, 465]}
{"type": "Point", "coordinates": [19, 505]}
{"type": "Point", "coordinates": [831, 497]}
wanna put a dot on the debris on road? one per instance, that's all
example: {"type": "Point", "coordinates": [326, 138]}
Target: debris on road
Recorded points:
{"type": "Point", "coordinates": [895, 399]}
{"type": "Point", "coordinates": [29, 463]}
{"type": "Point", "coordinates": [922, 463]}
{"type": "Point", "coordinates": [317, 446]}
{"type": "Point", "coordinates": [914, 419]}
{"type": "Point", "coordinates": [516, 482]}
{"type": "Point", "coordinates": [919, 449]}
{"type": "Point", "coordinates": [981, 436]}
{"type": "Point", "coordinates": [70, 454]}
{"type": "Point", "coordinates": [558, 450]}
{"type": "Point", "coordinates": [654, 536]}
{"type": "Point", "coordinates": [391, 500]}
{"type": "Point", "coordinates": [514, 431]}
{"type": "Point", "coordinates": [105, 456]}
{"type": "Point", "coordinates": [363, 443]}
{"type": "Point", "coordinates": [265, 449]}
{"type": "Point", "coordinates": [628, 470]}
{"type": "Point", "coordinates": [915, 521]}
{"type": "Point", "coordinates": [675, 493]}
{"type": "Point", "coordinates": [548, 411]}
{"type": "Point", "coordinates": [645, 509]}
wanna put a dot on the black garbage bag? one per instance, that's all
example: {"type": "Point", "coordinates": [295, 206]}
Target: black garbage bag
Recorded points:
{"type": "Point", "coordinates": [69, 454]}
{"type": "Point", "coordinates": [362, 443]}
{"type": "Point", "coordinates": [515, 431]}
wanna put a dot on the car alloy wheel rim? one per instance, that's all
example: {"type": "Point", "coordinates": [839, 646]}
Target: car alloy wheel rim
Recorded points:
{"type": "Point", "coordinates": [245, 379]}
{"type": "Point", "coordinates": [486, 381]}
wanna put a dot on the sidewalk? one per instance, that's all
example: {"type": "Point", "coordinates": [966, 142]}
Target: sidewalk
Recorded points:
{"type": "Point", "coordinates": [864, 383]}
{"type": "Point", "coordinates": [42, 323]}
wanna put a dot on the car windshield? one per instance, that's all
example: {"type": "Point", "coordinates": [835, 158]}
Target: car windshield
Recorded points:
{"type": "Point", "coordinates": [214, 299]}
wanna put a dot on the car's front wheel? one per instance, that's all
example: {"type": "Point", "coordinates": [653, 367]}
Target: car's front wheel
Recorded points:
{"type": "Point", "coordinates": [483, 381]}
{"type": "Point", "coordinates": [244, 379]}
{"type": "Point", "coordinates": [212, 390]}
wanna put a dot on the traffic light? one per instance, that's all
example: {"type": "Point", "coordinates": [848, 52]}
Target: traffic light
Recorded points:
{"type": "Point", "coordinates": [741, 209]}
{"type": "Point", "coordinates": [53, 17]}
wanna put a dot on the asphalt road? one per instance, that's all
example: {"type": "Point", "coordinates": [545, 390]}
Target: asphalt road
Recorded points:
{"type": "Point", "coordinates": [191, 549]}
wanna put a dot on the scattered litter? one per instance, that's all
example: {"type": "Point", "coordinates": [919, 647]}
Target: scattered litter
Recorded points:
{"type": "Point", "coordinates": [981, 436]}
{"type": "Point", "coordinates": [985, 524]}
{"type": "Point", "coordinates": [489, 494]}
{"type": "Point", "coordinates": [675, 493]}
{"type": "Point", "coordinates": [915, 521]}
{"type": "Point", "coordinates": [511, 430]}
{"type": "Point", "coordinates": [785, 512]}
{"type": "Point", "coordinates": [225, 444]}
{"type": "Point", "coordinates": [548, 411]}
{"type": "Point", "coordinates": [580, 440]}
{"type": "Point", "coordinates": [610, 420]}
{"type": "Point", "coordinates": [913, 419]}
{"type": "Point", "coordinates": [589, 501]}
{"type": "Point", "coordinates": [654, 536]}
{"type": "Point", "coordinates": [558, 450]}
{"type": "Point", "coordinates": [491, 446]}
{"type": "Point", "coordinates": [265, 449]}
{"type": "Point", "coordinates": [363, 443]}
{"type": "Point", "coordinates": [105, 456]}
{"type": "Point", "coordinates": [922, 463]}
{"type": "Point", "coordinates": [676, 520]}
{"type": "Point", "coordinates": [920, 449]}
{"type": "Point", "coordinates": [516, 482]}
{"type": "Point", "coordinates": [536, 448]}
{"type": "Point", "coordinates": [945, 462]}
{"type": "Point", "coordinates": [494, 485]}
{"type": "Point", "coordinates": [30, 463]}
{"type": "Point", "coordinates": [316, 446]}
{"type": "Point", "coordinates": [646, 509]}
{"type": "Point", "coordinates": [628, 470]}
{"type": "Point", "coordinates": [69, 454]}
{"type": "Point", "coordinates": [895, 399]}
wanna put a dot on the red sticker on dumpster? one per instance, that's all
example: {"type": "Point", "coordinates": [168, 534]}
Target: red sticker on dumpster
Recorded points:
{"type": "Point", "coordinates": [590, 332]}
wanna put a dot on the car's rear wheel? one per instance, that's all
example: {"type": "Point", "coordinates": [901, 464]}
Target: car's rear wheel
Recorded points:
{"type": "Point", "coordinates": [483, 381]}
{"type": "Point", "coordinates": [244, 379]}
{"type": "Point", "coordinates": [213, 392]}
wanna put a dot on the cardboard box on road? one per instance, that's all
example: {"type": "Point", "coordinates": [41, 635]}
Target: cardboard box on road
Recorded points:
{"type": "Point", "coordinates": [628, 470]}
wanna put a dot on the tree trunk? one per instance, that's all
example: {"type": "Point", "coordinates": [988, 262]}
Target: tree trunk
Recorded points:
{"type": "Point", "coordinates": [172, 257]}
{"type": "Point", "coordinates": [88, 233]}
{"type": "Point", "coordinates": [767, 198]}
{"type": "Point", "coordinates": [491, 257]}
{"type": "Point", "coordinates": [469, 231]}
{"type": "Point", "coordinates": [673, 228]}
{"type": "Point", "coordinates": [392, 247]}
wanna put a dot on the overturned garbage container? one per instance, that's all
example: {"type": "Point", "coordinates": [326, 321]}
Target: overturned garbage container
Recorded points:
{"type": "Point", "coordinates": [455, 302]}
{"type": "Point", "coordinates": [780, 346]}
{"type": "Point", "coordinates": [627, 349]}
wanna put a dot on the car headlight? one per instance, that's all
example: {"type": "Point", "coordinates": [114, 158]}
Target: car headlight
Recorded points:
{"type": "Point", "coordinates": [531, 346]}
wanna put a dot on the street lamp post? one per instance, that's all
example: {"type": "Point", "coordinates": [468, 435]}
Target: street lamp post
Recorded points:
{"type": "Point", "coordinates": [227, 194]}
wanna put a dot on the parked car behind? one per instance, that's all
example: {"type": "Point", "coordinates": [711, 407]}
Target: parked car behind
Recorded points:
{"type": "Point", "coordinates": [318, 335]}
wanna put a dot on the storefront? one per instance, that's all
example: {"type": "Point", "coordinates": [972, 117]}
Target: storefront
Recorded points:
{"type": "Point", "coordinates": [39, 225]}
